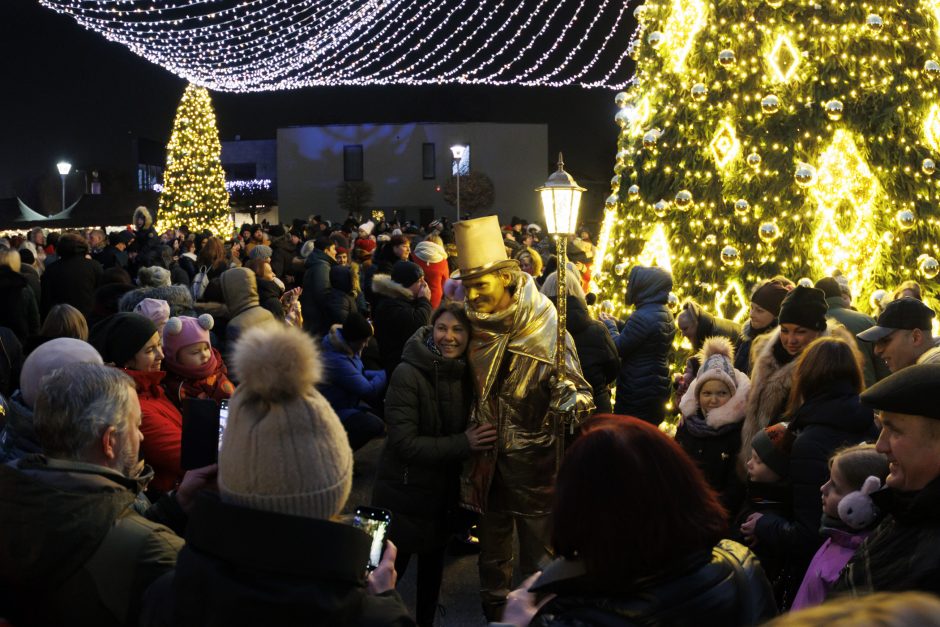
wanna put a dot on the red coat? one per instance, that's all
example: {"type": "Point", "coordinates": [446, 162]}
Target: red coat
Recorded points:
{"type": "Point", "coordinates": [162, 426]}
{"type": "Point", "coordinates": [434, 274]}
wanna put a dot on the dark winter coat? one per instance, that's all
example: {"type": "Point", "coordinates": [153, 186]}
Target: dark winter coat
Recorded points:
{"type": "Point", "coordinates": [600, 363]}
{"type": "Point", "coordinates": [645, 345]}
{"type": "Point", "coordinates": [18, 437]}
{"type": "Point", "coordinates": [243, 566]}
{"type": "Point", "coordinates": [337, 302]}
{"type": "Point", "coordinates": [709, 326]}
{"type": "Point", "coordinates": [18, 311]}
{"type": "Point", "coordinates": [11, 362]}
{"type": "Point", "coordinates": [31, 275]}
{"type": "Point", "coordinates": [726, 588]}
{"type": "Point", "coordinates": [72, 280]}
{"type": "Point", "coordinates": [903, 552]}
{"type": "Point", "coordinates": [742, 349]}
{"type": "Point", "coordinates": [874, 368]}
{"type": "Point", "coordinates": [283, 252]}
{"type": "Point", "coordinates": [346, 383]}
{"type": "Point", "coordinates": [269, 297]}
{"type": "Point", "coordinates": [110, 257]}
{"type": "Point", "coordinates": [426, 409]}
{"type": "Point", "coordinates": [715, 455]}
{"type": "Point", "coordinates": [823, 424]}
{"type": "Point", "coordinates": [397, 315]}
{"type": "Point", "coordinates": [91, 554]}
{"type": "Point", "coordinates": [316, 283]}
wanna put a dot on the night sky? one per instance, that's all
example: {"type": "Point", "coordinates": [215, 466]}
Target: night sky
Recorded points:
{"type": "Point", "coordinates": [69, 93]}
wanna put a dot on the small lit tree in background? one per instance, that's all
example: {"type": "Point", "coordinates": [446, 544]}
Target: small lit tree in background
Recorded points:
{"type": "Point", "coordinates": [476, 192]}
{"type": "Point", "coordinates": [778, 136]}
{"type": "Point", "coordinates": [194, 182]}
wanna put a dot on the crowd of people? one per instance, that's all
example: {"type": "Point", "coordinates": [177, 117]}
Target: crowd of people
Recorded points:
{"type": "Point", "coordinates": [802, 478]}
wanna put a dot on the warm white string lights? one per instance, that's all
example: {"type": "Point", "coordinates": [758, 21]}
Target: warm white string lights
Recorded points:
{"type": "Point", "coordinates": [263, 45]}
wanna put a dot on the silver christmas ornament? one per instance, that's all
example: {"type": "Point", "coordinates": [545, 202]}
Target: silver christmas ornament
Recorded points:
{"type": "Point", "coordinates": [834, 109]}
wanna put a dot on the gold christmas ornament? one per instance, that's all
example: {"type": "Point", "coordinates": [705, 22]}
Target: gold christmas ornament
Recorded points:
{"type": "Point", "coordinates": [726, 58]}
{"type": "Point", "coordinates": [684, 199]}
{"type": "Point", "coordinates": [928, 166]}
{"type": "Point", "coordinates": [623, 117]}
{"type": "Point", "coordinates": [607, 306]}
{"type": "Point", "coordinates": [876, 299]}
{"type": "Point", "coordinates": [711, 239]}
{"type": "Point", "coordinates": [770, 104]}
{"type": "Point", "coordinates": [775, 4]}
{"type": "Point", "coordinates": [768, 232]}
{"type": "Point", "coordinates": [622, 156]}
{"type": "Point", "coordinates": [932, 68]}
{"type": "Point", "coordinates": [805, 282]}
{"type": "Point", "coordinates": [621, 99]}
{"type": "Point", "coordinates": [834, 109]}
{"type": "Point", "coordinates": [805, 175]}
{"type": "Point", "coordinates": [650, 138]}
{"type": "Point", "coordinates": [929, 267]}
{"type": "Point", "coordinates": [611, 201]}
{"type": "Point", "coordinates": [640, 12]}
{"type": "Point", "coordinates": [729, 255]}
{"type": "Point", "coordinates": [672, 301]}
{"type": "Point", "coordinates": [655, 38]}
{"type": "Point", "coordinates": [699, 92]}
{"type": "Point", "coordinates": [615, 182]}
{"type": "Point", "coordinates": [753, 160]}
{"type": "Point", "coordinates": [905, 219]}
{"type": "Point", "coordinates": [874, 22]}
{"type": "Point", "coordinates": [620, 268]}
{"type": "Point", "coordinates": [660, 208]}
{"type": "Point", "coordinates": [741, 206]}
{"type": "Point", "coordinates": [633, 192]}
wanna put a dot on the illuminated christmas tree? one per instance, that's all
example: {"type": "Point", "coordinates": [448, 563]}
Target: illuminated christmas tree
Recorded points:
{"type": "Point", "coordinates": [194, 182]}
{"type": "Point", "coordinates": [778, 136]}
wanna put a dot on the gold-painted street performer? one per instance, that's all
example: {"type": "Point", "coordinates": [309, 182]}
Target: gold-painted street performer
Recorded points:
{"type": "Point", "coordinates": [512, 355]}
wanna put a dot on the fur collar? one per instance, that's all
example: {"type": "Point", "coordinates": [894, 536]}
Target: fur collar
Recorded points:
{"type": "Point", "coordinates": [730, 413]}
{"type": "Point", "coordinates": [384, 285]}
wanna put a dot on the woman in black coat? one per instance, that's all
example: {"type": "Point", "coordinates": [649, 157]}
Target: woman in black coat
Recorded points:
{"type": "Point", "coordinates": [426, 409]}
{"type": "Point", "coordinates": [19, 312]}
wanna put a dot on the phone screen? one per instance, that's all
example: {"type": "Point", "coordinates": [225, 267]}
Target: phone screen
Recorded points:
{"type": "Point", "coordinates": [223, 419]}
{"type": "Point", "coordinates": [374, 522]}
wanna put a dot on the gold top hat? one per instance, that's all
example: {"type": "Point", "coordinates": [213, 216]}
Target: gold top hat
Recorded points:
{"type": "Point", "coordinates": [480, 248]}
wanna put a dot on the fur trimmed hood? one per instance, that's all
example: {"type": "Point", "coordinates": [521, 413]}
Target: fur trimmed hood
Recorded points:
{"type": "Point", "coordinates": [145, 213]}
{"type": "Point", "coordinates": [383, 285]}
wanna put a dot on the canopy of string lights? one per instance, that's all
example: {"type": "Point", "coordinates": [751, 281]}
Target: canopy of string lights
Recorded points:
{"type": "Point", "coordinates": [265, 45]}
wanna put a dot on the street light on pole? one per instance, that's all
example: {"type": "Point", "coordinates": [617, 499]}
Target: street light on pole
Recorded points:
{"type": "Point", "coordinates": [64, 168]}
{"type": "Point", "coordinates": [457, 150]}
{"type": "Point", "coordinates": [561, 199]}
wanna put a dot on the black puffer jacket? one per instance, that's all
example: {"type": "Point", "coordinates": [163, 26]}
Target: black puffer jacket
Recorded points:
{"type": "Point", "coordinates": [645, 345]}
{"type": "Point", "coordinates": [903, 552]}
{"type": "Point", "coordinates": [426, 408]}
{"type": "Point", "coordinates": [742, 349]}
{"type": "Point", "coordinates": [283, 252]}
{"type": "Point", "coordinates": [600, 363]}
{"type": "Point", "coordinates": [19, 312]}
{"type": "Point", "coordinates": [727, 588]}
{"type": "Point", "coordinates": [823, 424]}
{"type": "Point", "coordinates": [72, 280]}
{"type": "Point", "coordinates": [243, 566]}
{"type": "Point", "coordinates": [397, 315]}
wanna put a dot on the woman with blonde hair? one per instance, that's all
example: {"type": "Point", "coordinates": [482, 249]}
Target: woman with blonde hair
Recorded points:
{"type": "Point", "coordinates": [19, 312]}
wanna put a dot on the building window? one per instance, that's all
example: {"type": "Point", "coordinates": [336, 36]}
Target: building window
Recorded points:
{"type": "Point", "coordinates": [352, 163]}
{"type": "Point", "coordinates": [428, 170]}
{"type": "Point", "coordinates": [148, 176]}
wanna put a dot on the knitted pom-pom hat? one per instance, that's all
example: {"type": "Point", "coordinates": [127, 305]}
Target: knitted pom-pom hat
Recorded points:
{"type": "Point", "coordinates": [717, 358]}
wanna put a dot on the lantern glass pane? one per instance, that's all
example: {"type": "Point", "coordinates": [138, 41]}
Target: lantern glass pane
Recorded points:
{"type": "Point", "coordinates": [548, 206]}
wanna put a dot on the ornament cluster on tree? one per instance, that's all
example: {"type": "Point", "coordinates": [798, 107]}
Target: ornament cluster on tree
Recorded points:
{"type": "Point", "coordinates": [768, 137]}
{"type": "Point", "coordinates": [194, 183]}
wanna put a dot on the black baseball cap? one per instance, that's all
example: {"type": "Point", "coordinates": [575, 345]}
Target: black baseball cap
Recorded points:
{"type": "Point", "coordinates": [903, 313]}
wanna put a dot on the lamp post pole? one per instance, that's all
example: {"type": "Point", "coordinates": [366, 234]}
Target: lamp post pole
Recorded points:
{"type": "Point", "coordinates": [64, 167]}
{"type": "Point", "coordinates": [457, 151]}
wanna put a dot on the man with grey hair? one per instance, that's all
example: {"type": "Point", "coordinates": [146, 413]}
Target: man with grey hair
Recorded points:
{"type": "Point", "coordinates": [79, 542]}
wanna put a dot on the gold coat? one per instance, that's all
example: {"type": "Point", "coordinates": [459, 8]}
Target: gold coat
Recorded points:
{"type": "Point", "coordinates": [511, 355]}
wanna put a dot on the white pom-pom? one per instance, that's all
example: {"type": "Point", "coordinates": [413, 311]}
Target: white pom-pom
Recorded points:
{"type": "Point", "coordinates": [276, 362]}
{"type": "Point", "coordinates": [206, 321]}
{"type": "Point", "coordinates": [173, 326]}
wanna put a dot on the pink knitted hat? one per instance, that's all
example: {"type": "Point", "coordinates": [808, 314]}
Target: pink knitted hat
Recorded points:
{"type": "Point", "coordinates": [155, 309]}
{"type": "Point", "coordinates": [184, 331]}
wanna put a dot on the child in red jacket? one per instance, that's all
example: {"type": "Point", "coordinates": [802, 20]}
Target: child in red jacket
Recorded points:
{"type": "Point", "coordinates": [194, 368]}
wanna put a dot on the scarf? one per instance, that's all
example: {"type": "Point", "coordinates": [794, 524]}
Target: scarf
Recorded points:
{"type": "Point", "coordinates": [195, 372]}
{"type": "Point", "coordinates": [698, 428]}
{"type": "Point", "coordinates": [432, 345]}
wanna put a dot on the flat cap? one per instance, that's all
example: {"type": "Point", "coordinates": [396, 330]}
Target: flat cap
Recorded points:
{"type": "Point", "coordinates": [910, 391]}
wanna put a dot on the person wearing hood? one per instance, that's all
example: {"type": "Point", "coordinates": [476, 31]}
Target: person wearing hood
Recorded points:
{"type": "Point", "coordinates": [95, 542]}
{"type": "Point", "coordinates": [145, 249]}
{"type": "Point", "coordinates": [283, 251]}
{"type": "Point", "coordinates": [353, 391]}
{"type": "Point", "coordinates": [600, 363]}
{"type": "Point", "coordinates": [19, 312]}
{"type": "Point", "coordinates": [427, 409]}
{"type": "Point", "coordinates": [765, 307]}
{"type": "Point", "coordinates": [72, 279]}
{"type": "Point", "coordinates": [240, 291]}
{"type": "Point", "coordinates": [339, 301]}
{"type": "Point", "coordinates": [432, 258]}
{"type": "Point", "coordinates": [316, 281]}
{"type": "Point", "coordinates": [269, 291]}
{"type": "Point", "coordinates": [856, 322]}
{"type": "Point", "coordinates": [645, 345]}
{"type": "Point", "coordinates": [403, 305]}
{"type": "Point", "coordinates": [712, 411]}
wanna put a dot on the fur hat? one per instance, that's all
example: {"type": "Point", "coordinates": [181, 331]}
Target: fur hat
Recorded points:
{"type": "Point", "coordinates": [153, 276]}
{"type": "Point", "coordinates": [717, 359]}
{"type": "Point", "coordinates": [773, 446]}
{"type": "Point", "coordinates": [119, 337]}
{"type": "Point", "coordinates": [49, 356]}
{"type": "Point", "coordinates": [184, 331]}
{"type": "Point", "coordinates": [806, 307]}
{"type": "Point", "coordinates": [155, 309]}
{"type": "Point", "coordinates": [284, 449]}
{"type": "Point", "coordinates": [307, 248]}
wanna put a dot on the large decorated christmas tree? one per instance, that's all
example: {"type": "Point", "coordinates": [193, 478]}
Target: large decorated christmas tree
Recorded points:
{"type": "Point", "coordinates": [760, 137]}
{"type": "Point", "coordinates": [194, 182]}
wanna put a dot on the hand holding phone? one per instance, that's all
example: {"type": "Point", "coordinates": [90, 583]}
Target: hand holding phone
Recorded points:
{"type": "Point", "coordinates": [374, 521]}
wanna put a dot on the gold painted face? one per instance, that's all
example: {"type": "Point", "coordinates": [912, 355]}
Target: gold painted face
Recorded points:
{"type": "Point", "coordinates": [488, 293]}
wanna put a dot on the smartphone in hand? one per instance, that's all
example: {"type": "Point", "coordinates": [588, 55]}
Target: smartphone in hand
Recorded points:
{"type": "Point", "coordinates": [374, 521]}
{"type": "Point", "coordinates": [199, 445]}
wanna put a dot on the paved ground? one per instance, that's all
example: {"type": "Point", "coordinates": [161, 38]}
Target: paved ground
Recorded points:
{"type": "Point", "coordinates": [459, 596]}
